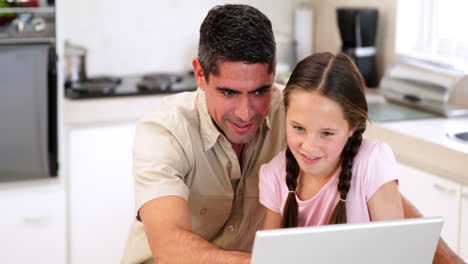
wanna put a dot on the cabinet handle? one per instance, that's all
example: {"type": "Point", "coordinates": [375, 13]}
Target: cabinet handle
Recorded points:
{"type": "Point", "coordinates": [443, 189]}
{"type": "Point", "coordinates": [36, 219]}
{"type": "Point", "coordinates": [465, 195]}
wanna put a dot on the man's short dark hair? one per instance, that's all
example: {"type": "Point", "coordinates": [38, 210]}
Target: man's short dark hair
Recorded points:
{"type": "Point", "coordinates": [235, 33]}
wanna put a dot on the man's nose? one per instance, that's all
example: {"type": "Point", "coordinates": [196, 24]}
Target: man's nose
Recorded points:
{"type": "Point", "coordinates": [243, 109]}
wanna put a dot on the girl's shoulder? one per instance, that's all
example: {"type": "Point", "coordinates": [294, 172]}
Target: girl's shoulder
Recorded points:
{"type": "Point", "coordinates": [373, 166]}
{"type": "Point", "coordinates": [373, 155]}
{"type": "Point", "coordinates": [374, 148]}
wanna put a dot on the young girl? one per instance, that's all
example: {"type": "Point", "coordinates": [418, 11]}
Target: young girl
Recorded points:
{"type": "Point", "coordinates": [328, 174]}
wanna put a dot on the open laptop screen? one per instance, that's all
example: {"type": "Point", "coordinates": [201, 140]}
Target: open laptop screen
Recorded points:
{"type": "Point", "coordinates": [410, 241]}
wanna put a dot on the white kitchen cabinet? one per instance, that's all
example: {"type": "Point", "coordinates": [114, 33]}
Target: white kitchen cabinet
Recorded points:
{"type": "Point", "coordinates": [101, 192]}
{"type": "Point", "coordinates": [433, 196]}
{"type": "Point", "coordinates": [32, 223]}
{"type": "Point", "coordinates": [464, 224]}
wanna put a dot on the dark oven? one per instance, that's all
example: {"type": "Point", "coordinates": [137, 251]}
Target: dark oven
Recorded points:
{"type": "Point", "coordinates": [28, 91]}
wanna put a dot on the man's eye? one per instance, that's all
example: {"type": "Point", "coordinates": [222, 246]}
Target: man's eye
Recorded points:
{"type": "Point", "coordinates": [260, 92]}
{"type": "Point", "coordinates": [228, 93]}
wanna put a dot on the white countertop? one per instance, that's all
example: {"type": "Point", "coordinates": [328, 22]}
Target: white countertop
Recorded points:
{"type": "Point", "coordinates": [105, 110]}
{"type": "Point", "coordinates": [128, 108]}
{"type": "Point", "coordinates": [422, 144]}
{"type": "Point", "coordinates": [434, 130]}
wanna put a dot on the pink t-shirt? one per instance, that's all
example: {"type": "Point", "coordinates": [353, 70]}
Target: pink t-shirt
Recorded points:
{"type": "Point", "coordinates": [374, 165]}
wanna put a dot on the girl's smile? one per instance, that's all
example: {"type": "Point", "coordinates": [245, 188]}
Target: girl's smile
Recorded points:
{"type": "Point", "coordinates": [310, 160]}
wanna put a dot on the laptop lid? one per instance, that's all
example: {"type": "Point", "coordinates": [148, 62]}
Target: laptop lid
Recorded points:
{"type": "Point", "coordinates": [410, 241]}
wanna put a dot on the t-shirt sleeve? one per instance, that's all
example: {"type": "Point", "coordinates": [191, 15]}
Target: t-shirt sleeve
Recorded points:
{"type": "Point", "coordinates": [381, 168]}
{"type": "Point", "coordinates": [269, 191]}
{"type": "Point", "coordinates": [159, 164]}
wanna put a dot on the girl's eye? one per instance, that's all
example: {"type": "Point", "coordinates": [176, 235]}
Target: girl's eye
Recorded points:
{"type": "Point", "coordinates": [327, 134]}
{"type": "Point", "coordinates": [298, 128]}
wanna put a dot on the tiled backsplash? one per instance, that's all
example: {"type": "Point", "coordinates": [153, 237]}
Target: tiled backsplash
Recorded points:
{"type": "Point", "coordinates": [131, 37]}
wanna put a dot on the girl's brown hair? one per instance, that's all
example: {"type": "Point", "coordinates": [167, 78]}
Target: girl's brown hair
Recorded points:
{"type": "Point", "coordinates": [337, 78]}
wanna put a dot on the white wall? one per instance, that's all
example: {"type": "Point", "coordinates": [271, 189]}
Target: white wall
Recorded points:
{"type": "Point", "coordinates": [133, 37]}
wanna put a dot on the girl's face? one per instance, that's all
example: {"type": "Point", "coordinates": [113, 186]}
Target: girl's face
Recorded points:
{"type": "Point", "coordinates": [316, 133]}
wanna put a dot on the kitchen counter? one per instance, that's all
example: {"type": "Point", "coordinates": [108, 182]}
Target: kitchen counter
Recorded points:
{"type": "Point", "coordinates": [421, 143]}
{"type": "Point", "coordinates": [105, 110]}
{"type": "Point", "coordinates": [131, 108]}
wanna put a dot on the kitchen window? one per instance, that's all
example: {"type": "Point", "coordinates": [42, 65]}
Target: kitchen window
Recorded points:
{"type": "Point", "coordinates": [433, 30]}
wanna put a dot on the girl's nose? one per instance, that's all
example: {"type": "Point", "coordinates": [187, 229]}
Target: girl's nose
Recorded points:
{"type": "Point", "coordinates": [311, 142]}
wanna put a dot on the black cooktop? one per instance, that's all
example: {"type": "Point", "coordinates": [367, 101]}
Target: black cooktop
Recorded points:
{"type": "Point", "coordinates": [148, 84]}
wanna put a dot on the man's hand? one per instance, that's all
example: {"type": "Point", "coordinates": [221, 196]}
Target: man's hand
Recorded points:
{"type": "Point", "coordinates": [168, 228]}
{"type": "Point", "coordinates": [443, 254]}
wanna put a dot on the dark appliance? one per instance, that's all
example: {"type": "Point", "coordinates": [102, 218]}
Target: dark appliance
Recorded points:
{"type": "Point", "coordinates": [28, 99]}
{"type": "Point", "coordinates": [358, 28]}
{"type": "Point", "coordinates": [134, 85]}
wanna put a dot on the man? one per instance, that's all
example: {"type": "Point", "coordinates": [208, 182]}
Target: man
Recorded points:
{"type": "Point", "coordinates": [196, 158]}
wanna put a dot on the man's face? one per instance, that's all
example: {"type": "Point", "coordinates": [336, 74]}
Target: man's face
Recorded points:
{"type": "Point", "coordinates": [238, 98]}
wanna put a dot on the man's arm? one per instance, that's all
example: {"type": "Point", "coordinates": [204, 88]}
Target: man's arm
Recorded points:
{"type": "Point", "coordinates": [443, 253]}
{"type": "Point", "coordinates": [272, 220]}
{"type": "Point", "coordinates": [168, 228]}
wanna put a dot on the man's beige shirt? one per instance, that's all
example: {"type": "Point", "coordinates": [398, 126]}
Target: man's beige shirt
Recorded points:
{"type": "Point", "coordinates": [179, 151]}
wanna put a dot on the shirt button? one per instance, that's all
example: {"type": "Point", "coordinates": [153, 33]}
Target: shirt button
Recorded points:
{"type": "Point", "coordinates": [203, 211]}
{"type": "Point", "coordinates": [231, 228]}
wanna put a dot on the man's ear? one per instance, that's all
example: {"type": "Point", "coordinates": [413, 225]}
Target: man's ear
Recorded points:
{"type": "Point", "coordinates": [274, 69]}
{"type": "Point", "coordinates": [199, 74]}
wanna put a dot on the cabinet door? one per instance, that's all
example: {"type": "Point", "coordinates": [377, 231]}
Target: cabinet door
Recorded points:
{"type": "Point", "coordinates": [433, 196]}
{"type": "Point", "coordinates": [32, 224]}
{"type": "Point", "coordinates": [101, 192]}
{"type": "Point", "coordinates": [464, 225]}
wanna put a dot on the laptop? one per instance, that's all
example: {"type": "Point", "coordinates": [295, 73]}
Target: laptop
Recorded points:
{"type": "Point", "coordinates": [407, 241]}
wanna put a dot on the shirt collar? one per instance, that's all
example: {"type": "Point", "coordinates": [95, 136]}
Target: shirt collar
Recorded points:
{"type": "Point", "coordinates": [208, 130]}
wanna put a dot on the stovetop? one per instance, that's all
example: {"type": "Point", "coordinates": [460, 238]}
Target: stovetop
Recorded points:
{"type": "Point", "coordinates": [136, 85]}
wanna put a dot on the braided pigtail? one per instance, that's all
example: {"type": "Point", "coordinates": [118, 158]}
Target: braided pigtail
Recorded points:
{"type": "Point", "coordinates": [338, 215]}
{"type": "Point", "coordinates": [290, 207]}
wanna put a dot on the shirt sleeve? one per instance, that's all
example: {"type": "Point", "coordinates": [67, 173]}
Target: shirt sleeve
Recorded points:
{"type": "Point", "coordinates": [159, 164]}
{"type": "Point", "coordinates": [381, 168]}
{"type": "Point", "coordinates": [269, 192]}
